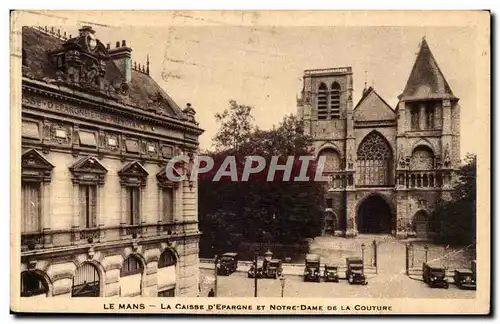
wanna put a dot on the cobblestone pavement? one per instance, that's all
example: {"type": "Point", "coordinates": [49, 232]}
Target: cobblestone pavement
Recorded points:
{"type": "Point", "coordinates": [389, 282]}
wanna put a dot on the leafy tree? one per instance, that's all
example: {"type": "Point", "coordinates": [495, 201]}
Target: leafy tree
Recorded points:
{"type": "Point", "coordinates": [456, 219]}
{"type": "Point", "coordinates": [236, 125]}
{"type": "Point", "coordinates": [278, 211]}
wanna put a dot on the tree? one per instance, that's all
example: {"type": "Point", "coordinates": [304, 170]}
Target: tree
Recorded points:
{"type": "Point", "coordinates": [278, 211]}
{"type": "Point", "coordinates": [236, 125]}
{"type": "Point", "coordinates": [456, 219]}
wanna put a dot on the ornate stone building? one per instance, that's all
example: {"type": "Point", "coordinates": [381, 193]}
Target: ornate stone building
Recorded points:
{"type": "Point", "coordinates": [388, 167]}
{"type": "Point", "coordinates": [99, 217]}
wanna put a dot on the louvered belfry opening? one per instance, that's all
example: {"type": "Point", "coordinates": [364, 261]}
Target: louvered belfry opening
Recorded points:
{"type": "Point", "coordinates": [322, 101]}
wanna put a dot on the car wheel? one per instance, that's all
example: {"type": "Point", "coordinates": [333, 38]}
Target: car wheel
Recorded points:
{"type": "Point", "coordinates": [446, 286]}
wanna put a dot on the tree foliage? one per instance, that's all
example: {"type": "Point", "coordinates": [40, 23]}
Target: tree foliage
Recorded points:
{"type": "Point", "coordinates": [236, 124]}
{"type": "Point", "coordinates": [456, 218]}
{"type": "Point", "coordinates": [278, 211]}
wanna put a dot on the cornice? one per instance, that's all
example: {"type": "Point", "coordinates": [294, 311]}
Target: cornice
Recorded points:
{"type": "Point", "coordinates": [66, 94]}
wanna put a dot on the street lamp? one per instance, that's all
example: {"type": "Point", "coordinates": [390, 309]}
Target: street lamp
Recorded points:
{"type": "Point", "coordinates": [216, 261]}
{"type": "Point", "coordinates": [412, 254]}
{"type": "Point", "coordinates": [363, 252]}
{"type": "Point", "coordinates": [426, 248]}
{"type": "Point", "coordinates": [282, 280]}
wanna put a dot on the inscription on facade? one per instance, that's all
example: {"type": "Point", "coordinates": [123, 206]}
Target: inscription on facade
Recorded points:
{"type": "Point", "coordinates": [88, 113]}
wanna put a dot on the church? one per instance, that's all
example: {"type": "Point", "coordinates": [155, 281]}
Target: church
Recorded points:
{"type": "Point", "coordinates": [387, 166]}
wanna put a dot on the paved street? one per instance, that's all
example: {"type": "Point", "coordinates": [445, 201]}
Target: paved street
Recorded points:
{"type": "Point", "coordinates": [393, 286]}
{"type": "Point", "coordinates": [390, 282]}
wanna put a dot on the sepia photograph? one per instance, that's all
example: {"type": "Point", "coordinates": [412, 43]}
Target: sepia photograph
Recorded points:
{"type": "Point", "coordinates": [250, 162]}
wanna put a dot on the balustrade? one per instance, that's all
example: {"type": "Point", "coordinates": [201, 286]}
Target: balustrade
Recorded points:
{"type": "Point", "coordinates": [421, 179]}
{"type": "Point", "coordinates": [339, 180]}
{"type": "Point", "coordinates": [78, 237]}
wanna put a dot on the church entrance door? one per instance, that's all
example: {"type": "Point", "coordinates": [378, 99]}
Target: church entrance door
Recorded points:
{"type": "Point", "coordinates": [374, 216]}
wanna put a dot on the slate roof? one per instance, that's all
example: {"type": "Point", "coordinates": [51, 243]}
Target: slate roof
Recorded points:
{"type": "Point", "coordinates": [373, 107]}
{"type": "Point", "coordinates": [426, 79]}
{"type": "Point", "coordinates": [143, 91]}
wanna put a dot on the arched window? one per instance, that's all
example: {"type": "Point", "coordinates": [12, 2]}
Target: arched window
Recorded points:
{"type": "Point", "coordinates": [33, 285]}
{"type": "Point", "coordinates": [167, 259]}
{"type": "Point", "coordinates": [374, 161]}
{"type": "Point", "coordinates": [167, 276]}
{"type": "Point", "coordinates": [86, 282]}
{"type": "Point", "coordinates": [322, 101]}
{"type": "Point", "coordinates": [131, 277]}
{"type": "Point", "coordinates": [422, 158]}
{"type": "Point", "coordinates": [335, 101]}
{"type": "Point", "coordinates": [332, 160]}
{"type": "Point", "coordinates": [422, 224]}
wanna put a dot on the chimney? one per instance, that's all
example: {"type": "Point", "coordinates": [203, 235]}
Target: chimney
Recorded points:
{"type": "Point", "coordinates": [121, 56]}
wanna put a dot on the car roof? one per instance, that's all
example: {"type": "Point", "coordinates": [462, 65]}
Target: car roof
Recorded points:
{"type": "Point", "coordinates": [275, 260]}
{"type": "Point", "coordinates": [464, 270]}
{"type": "Point", "coordinates": [311, 256]}
{"type": "Point", "coordinates": [353, 259]}
{"type": "Point", "coordinates": [331, 266]}
{"type": "Point", "coordinates": [230, 254]}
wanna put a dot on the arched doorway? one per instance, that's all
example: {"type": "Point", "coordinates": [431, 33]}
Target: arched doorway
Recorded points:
{"type": "Point", "coordinates": [374, 216]}
{"type": "Point", "coordinates": [33, 285]}
{"type": "Point", "coordinates": [167, 274]}
{"type": "Point", "coordinates": [422, 224]}
{"type": "Point", "coordinates": [86, 282]}
{"type": "Point", "coordinates": [131, 277]}
{"type": "Point", "coordinates": [330, 223]}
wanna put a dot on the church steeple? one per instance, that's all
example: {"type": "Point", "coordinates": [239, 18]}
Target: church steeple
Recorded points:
{"type": "Point", "coordinates": [426, 80]}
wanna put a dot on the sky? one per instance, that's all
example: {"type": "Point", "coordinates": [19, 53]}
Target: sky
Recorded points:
{"type": "Point", "coordinates": [206, 61]}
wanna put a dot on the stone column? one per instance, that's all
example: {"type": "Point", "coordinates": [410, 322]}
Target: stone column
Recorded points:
{"type": "Point", "coordinates": [351, 226]}
{"type": "Point", "coordinates": [421, 117]}
{"type": "Point", "coordinates": [123, 205]}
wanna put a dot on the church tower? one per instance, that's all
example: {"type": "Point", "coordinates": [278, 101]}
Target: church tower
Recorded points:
{"type": "Point", "coordinates": [428, 143]}
{"type": "Point", "coordinates": [326, 107]}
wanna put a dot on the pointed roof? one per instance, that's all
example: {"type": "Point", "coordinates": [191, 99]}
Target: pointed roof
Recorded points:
{"type": "Point", "coordinates": [372, 107]}
{"type": "Point", "coordinates": [426, 80]}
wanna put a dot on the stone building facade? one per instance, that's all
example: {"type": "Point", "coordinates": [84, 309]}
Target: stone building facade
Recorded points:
{"type": "Point", "coordinates": [388, 167]}
{"type": "Point", "coordinates": [98, 215]}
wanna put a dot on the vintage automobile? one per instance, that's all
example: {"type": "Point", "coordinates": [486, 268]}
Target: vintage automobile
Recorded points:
{"type": "Point", "coordinates": [259, 272]}
{"type": "Point", "coordinates": [331, 273]}
{"type": "Point", "coordinates": [311, 271]}
{"type": "Point", "coordinates": [273, 269]}
{"type": "Point", "coordinates": [464, 279]}
{"type": "Point", "coordinates": [228, 263]}
{"type": "Point", "coordinates": [355, 273]}
{"type": "Point", "coordinates": [434, 276]}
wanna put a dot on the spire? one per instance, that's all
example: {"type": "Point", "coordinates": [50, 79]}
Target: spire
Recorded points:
{"type": "Point", "coordinates": [365, 89]}
{"type": "Point", "coordinates": [426, 81]}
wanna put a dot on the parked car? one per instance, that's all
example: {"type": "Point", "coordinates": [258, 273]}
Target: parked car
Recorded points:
{"type": "Point", "coordinates": [311, 271]}
{"type": "Point", "coordinates": [252, 272]}
{"type": "Point", "coordinates": [464, 279]}
{"type": "Point", "coordinates": [331, 273]}
{"type": "Point", "coordinates": [228, 263]}
{"type": "Point", "coordinates": [273, 269]}
{"type": "Point", "coordinates": [355, 273]}
{"type": "Point", "coordinates": [434, 276]}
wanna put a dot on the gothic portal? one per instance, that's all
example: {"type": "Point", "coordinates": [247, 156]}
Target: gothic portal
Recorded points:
{"type": "Point", "coordinates": [387, 166]}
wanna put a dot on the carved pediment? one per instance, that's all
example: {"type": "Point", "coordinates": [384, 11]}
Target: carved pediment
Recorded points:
{"type": "Point", "coordinates": [88, 169]}
{"type": "Point", "coordinates": [133, 174]}
{"type": "Point", "coordinates": [166, 181]}
{"type": "Point", "coordinates": [35, 167]}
